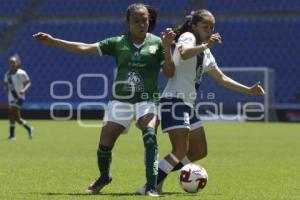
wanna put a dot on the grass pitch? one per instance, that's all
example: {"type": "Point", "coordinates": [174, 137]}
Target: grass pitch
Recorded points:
{"type": "Point", "coordinates": [245, 161]}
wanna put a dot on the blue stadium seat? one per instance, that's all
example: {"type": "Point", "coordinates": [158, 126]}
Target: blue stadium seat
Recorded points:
{"type": "Point", "coordinates": [253, 6]}
{"type": "Point", "coordinates": [12, 7]}
{"type": "Point", "coordinates": [104, 7]}
{"type": "Point", "coordinates": [3, 26]}
{"type": "Point", "coordinates": [263, 42]}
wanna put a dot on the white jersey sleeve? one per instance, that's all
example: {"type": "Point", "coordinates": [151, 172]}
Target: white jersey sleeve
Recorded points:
{"type": "Point", "coordinates": [209, 61]}
{"type": "Point", "coordinates": [24, 76]}
{"type": "Point", "coordinates": [186, 38]}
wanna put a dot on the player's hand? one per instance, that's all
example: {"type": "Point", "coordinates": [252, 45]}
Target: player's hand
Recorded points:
{"type": "Point", "coordinates": [168, 37]}
{"type": "Point", "coordinates": [214, 39]}
{"type": "Point", "coordinates": [43, 37]}
{"type": "Point", "coordinates": [22, 91]}
{"type": "Point", "coordinates": [257, 89]}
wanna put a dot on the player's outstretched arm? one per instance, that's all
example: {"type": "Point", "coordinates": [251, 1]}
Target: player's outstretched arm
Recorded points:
{"type": "Point", "coordinates": [227, 82]}
{"type": "Point", "coordinates": [74, 47]}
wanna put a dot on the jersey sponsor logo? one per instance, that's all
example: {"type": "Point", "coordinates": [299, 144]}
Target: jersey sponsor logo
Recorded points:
{"type": "Point", "coordinates": [136, 64]}
{"type": "Point", "coordinates": [153, 49]}
{"type": "Point", "coordinates": [135, 82]}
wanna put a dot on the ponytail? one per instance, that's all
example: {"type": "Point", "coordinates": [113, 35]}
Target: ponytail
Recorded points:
{"type": "Point", "coordinates": [152, 18]}
{"type": "Point", "coordinates": [192, 19]}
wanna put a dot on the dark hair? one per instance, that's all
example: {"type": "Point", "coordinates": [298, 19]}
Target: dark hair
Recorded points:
{"type": "Point", "coordinates": [152, 14]}
{"type": "Point", "coordinates": [192, 19]}
{"type": "Point", "coordinates": [17, 57]}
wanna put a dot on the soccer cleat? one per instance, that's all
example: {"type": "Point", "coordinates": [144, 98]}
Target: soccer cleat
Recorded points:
{"type": "Point", "coordinates": [142, 190]}
{"type": "Point", "coordinates": [12, 138]}
{"type": "Point", "coordinates": [97, 185]}
{"type": "Point", "coordinates": [152, 193]}
{"type": "Point", "coordinates": [30, 136]}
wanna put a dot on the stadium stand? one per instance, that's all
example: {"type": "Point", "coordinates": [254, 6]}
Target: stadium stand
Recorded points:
{"type": "Point", "coordinates": [3, 25]}
{"type": "Point", "coordinates": [12, 7]}
{"type": "Point", "coordinates": [263, 42]}
{"type": "Point", "coordinates": [102, 7]}
{"type": "Point", "coordinates": [255, 41]}
{"type": "Point", "coordinates": [253, 6]}
{"type": "Point", "coordinates": [49, 64]}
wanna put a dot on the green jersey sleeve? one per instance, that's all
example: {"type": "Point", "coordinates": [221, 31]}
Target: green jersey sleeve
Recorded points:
{"type": "Point", "coordinates": [108, 46]}
{"type": "Point", "coordinates": [161, 53]}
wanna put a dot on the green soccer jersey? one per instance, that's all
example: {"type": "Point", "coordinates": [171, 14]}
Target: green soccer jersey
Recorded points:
{"type": "Point", "coordinates": [138, 68]}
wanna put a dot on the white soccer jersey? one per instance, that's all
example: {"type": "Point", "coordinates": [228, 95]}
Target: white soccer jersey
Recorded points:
{"type": "Point", "coordinates": [16, 82]}
{"type": "Point", "coordinates": [188, 73]}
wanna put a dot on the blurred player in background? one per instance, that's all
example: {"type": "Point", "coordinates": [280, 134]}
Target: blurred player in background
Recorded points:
{"type": "Point", "coordinates": [192, 57]}
{"type": "Point", "coordinates": [139, 56]}
{"type": "Point", "coordinates": [16, 82]}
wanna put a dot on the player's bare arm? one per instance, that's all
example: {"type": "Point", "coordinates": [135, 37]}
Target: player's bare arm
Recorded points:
{"type": "Point", "coordinates": [74, 47]}
{"type": "Point", "coordinates": [27, 85]}
{"type": "Point", "coordinates": [229, 83]}
{"type": "Point", "coordinates": [167, 38]}
{"type": "Point", "coordinates": [187, 51]}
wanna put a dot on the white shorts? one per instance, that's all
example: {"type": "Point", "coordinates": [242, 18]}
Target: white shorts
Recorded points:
{"type": "Point", "coordinates": [124, 113]}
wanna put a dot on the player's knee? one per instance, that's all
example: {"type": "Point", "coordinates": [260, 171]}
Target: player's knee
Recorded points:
{"type": "Point", "coordinates": [202, 154]}
{"type": "Point", "coordinates": [180, 151]}
{"type": "Point", "coordinates": [198, 155]}
{"type": "Point", "coordinates": [20, 121]}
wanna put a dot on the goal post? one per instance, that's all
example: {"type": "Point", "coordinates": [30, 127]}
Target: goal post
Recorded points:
{"type": "Point", "coordinates": [215, 102]}
{"type": "Point", "coordinates": [268, 83]}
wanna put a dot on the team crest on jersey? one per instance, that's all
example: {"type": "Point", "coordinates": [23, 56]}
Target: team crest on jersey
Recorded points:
{"type": "Point", "coordinates": [153, 49]}
{"type": "Point", "coordinates": [135, 82]}
{"type": "Point", "coordinates": [124, 48]}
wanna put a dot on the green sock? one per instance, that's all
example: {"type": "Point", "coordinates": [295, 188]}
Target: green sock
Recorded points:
{"type": "Point", "coordinates": [104, 160]}
{"type": "Point", "coordinates": [11, 130]}
{"type": "Point", "coordinates": [151, 160]}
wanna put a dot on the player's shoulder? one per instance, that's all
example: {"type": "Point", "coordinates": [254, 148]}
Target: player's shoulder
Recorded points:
{"type": "Point", "coordinates": [187, 35]}
{"type": "Point", "coordinates": [116, 39]}
{"type": "Point", "coordinates": [154, 38]}
{"type": "Point", "coordinates": [21, 71]}
{"type": "Point", "coordinates": [186, 38]}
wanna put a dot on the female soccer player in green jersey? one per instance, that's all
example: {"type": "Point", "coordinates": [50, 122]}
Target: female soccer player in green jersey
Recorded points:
{"type": "Point", "coordinates": [139, 55]}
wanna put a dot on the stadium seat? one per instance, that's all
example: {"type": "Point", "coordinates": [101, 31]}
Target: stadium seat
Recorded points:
{"type": "Point", "coordinates": [12, 7]}
{"type": "Point", "coordinates": [104, 7]}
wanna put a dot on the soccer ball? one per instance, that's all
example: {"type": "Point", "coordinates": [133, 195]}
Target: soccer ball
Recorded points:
{"type": "Point", "coordinates": [192, 178]}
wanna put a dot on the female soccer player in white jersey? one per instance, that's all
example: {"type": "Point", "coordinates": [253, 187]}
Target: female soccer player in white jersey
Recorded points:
{"type": "Point", "coordinates": [192, 57]}
{"type": "Point", "coordinates": [16, 82]}
{"type": "Point", "coordinates": [139, 56]}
